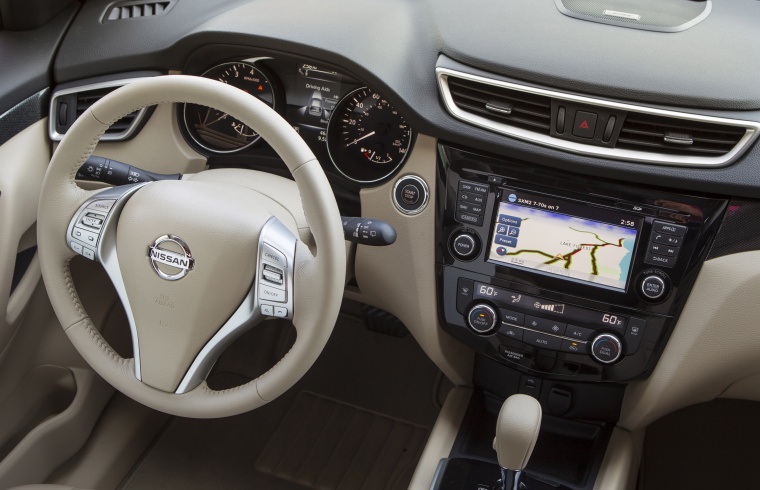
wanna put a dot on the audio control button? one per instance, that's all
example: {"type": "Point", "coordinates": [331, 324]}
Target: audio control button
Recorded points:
{"type": "Point", "coordinates": [482, 319]}
{"type": "Point", "coordinates": [465, 246]}
{"type": "Point", "coordinates": [606, 348]}
{"type": "Point", "coordinates": [653, 287]}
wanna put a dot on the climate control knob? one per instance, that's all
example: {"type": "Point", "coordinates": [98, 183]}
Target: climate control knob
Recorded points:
{"type": "Point", "coordinates": [482, 319]}
{"type": "Point", "coordinates": [606, 348]}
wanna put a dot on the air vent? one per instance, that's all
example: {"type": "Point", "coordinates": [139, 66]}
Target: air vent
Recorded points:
{"type": "Point", "coordinates": [528, 111]}
{"type": "Point", "coordinates": [87, 98]}
{"type": "Point", "coordinates": [135, 10]}
{"type": "Point", "coordinates": [646, 132]}
{"type": "Point", "coordinates": [68, 104]}
{"type": "Point", "coordinates": [647, 135]}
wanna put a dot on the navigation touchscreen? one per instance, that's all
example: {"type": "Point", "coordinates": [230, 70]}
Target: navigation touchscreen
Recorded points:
{"type": "Point", "coordinates": [572, 240]}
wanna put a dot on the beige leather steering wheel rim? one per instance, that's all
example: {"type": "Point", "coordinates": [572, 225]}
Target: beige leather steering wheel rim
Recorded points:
{"type": "Point", "coordinates": [315, 308]}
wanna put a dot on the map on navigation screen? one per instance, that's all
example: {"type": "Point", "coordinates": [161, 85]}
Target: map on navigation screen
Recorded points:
{"type": "Point", "coordinates": [568, 246]}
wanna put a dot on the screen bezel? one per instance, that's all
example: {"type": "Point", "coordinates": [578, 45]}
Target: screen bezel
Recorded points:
{"type": "Point", "coordinates": [639, 220]}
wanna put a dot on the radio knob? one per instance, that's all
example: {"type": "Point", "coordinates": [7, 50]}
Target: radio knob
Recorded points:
{"type": "Point", "coordinates": [465, 246]}
{"type": "Point", "coordinates": [606, 348]}
{"type": "Point", "coordinates": [653, 287]}
{"type": "Point", "coordinates": [482, 319]}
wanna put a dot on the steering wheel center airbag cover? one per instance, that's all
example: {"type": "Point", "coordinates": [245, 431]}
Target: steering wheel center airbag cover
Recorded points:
{"type": "Point", "coordinates": [176, 318]}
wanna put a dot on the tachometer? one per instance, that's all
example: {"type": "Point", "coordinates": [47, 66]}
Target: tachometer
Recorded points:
{"type": "Point", "coordinates": [367, 138]}
{"type": "Point", "coordinates": [216, 131]}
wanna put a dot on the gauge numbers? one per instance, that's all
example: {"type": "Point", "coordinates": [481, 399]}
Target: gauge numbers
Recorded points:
{"type": "Point", "coordinates": [217, 131]}
{"type": "Point", "coordinates": [367, 138]}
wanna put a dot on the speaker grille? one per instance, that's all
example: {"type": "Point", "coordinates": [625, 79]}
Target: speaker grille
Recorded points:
{"type": "Point", "coordinates": [650, 15]}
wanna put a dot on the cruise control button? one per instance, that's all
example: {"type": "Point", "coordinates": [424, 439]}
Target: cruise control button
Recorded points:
{"type": "Point", "coordinates": [573, 346]}
{"type": "Point", "coordinates": [668, 228]}
{"type": "Point", "coordinates": [271, 254]}
{"type": "Point", "coordinates": [579, 333]}
{"type": "Point", "coordinates": [548, 326]}
{"type": "Point", "coordinates": [541, 340]}
{"type": "Point", "coordinates": [271, 294]}
{"type": "Point", "coordinates": [511, 332]}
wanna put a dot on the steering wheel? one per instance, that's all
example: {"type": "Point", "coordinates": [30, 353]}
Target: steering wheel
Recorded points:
{"type": "Point", "coordinates": [195, 262]}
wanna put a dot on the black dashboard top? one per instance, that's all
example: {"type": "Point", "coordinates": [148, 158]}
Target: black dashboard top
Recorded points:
{"type": "Point", "coordinates": [395, 45]}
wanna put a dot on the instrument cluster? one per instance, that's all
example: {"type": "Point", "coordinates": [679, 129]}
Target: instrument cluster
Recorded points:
{"type": "Point", "coordinates": [349, 127]}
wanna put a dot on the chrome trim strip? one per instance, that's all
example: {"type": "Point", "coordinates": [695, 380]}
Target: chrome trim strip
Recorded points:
{"type": "Point", "coordinates": [106, 251]}
{"type": "Point", "coordinates": [278, 236]}
{"type": "Point", "coordinates": [752, 128]}
{"type": "Point", "coordinates": [56, 136]}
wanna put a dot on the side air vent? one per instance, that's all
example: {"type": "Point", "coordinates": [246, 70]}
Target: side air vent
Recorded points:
{"type": "Point", "coordinates": [623, 132]}
{"type": "Point", "coordinates": [135, 10]}
{"type": "Point", "coordinates": [677, 136]}
{"type": "Point", "coordinates": [521, 109]}
{"type": "Point", "coordinates": [68, 104]}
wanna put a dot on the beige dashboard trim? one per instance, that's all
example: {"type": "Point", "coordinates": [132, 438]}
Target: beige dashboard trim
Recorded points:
{"type": "Point", "coordinates": [401, 278]}
{"type": "Point", "coordinates": [714, 345]}
{"type": "Point", "coordinates": [442, 437]}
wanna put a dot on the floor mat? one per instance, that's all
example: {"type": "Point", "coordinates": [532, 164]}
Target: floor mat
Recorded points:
{"type": "Point", "coordinates": [362, 369]}
{"type": "Point", "coordinates": [328, 445]}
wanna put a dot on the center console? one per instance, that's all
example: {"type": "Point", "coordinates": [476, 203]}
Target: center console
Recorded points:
{"type": "Point", "coordinates": [566, 286]}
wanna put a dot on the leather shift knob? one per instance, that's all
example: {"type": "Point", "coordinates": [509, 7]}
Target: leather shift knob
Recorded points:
{"type": "Point", "coordinates": [516, 431]}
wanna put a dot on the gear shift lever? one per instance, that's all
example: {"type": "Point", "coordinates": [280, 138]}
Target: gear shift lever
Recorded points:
{"type": "Point", "coordinates": [516, 432]}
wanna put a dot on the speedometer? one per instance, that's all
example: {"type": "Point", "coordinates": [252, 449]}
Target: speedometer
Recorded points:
{"type": "Point", "coordinates": [217, 131]}
{"type": "Point", "coordinates": [367, 138]}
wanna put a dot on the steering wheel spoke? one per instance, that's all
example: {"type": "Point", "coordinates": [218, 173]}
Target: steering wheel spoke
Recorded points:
{"type": "Point", "coordinates": [271, 295]}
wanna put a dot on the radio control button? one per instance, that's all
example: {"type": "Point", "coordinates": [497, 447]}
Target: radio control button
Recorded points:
{"type": "Point", "coordinates": [548, 326]}
{"type": "Point", "coordinates": [511, 332]}
{"type": "Point", "coordinates": [467, 207]}
{"type": "Point", "coordinates": [662, 260]}
{"type": "Point", "coordinates": [573, 346]}
{"type": "Point", "coordinates": [668, 228]}
{"type": "Point", "coordinates": [653, 287]}
{"type": "Point", "coordinates": [465, 246]}
{"type": "Point", "coordinates": [659, 249]}
{"type": "Point", "coordinates": [482, 319]}
{"type": "Point", "coordinates": [472, 197]}
{"type": "Point", "coordinates": [475, 187]}
{"type": "Point", "coordinates": [672, 240]}
{"type": "Point", "coordinates": [495, 179]}
{"type": "Point", "coordinates": [579, 333]}
{"type": "Point", "coordinates": [606, 348]}
{"type": "Point", "coordinates": [543, 341]}
{"type": "Point", "coordinates": [469, 219]}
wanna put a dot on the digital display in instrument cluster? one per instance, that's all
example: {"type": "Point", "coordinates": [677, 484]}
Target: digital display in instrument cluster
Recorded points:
{"type": "Point", "coordinates": [571, 240]}
{"type": "Point", "coordinates": [312, 95]}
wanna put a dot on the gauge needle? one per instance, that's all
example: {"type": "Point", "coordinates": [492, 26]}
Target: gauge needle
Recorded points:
{"type": "Point", "coordinates": [359, 139]}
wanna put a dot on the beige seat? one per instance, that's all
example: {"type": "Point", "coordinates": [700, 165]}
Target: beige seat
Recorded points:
{"type": "Point", "coordinates": [45, 487]}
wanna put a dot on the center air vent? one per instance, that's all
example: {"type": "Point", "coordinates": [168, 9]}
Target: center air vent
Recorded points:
{"type": "Point", "coordinates": [137, 9]}
{"type": "Point", "coordinates": [612, 129]}
{"type": "Point", "coordinates": [68, 104]}
{"type": "Point", "coordinates": [677, 136]}
{"type": "Point", "coordinates": [521, 109]}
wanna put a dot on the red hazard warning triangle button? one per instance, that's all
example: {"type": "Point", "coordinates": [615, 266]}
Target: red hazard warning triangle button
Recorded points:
{"type": "Point", "coordinates": [585, 124]}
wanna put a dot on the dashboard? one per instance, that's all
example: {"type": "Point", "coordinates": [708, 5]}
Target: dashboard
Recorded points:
{"type": "Point", "coordinates": [561, 187]}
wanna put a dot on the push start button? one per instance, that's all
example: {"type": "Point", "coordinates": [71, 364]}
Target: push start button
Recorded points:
{"type": "Point", "coordinates": [410, 194]}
